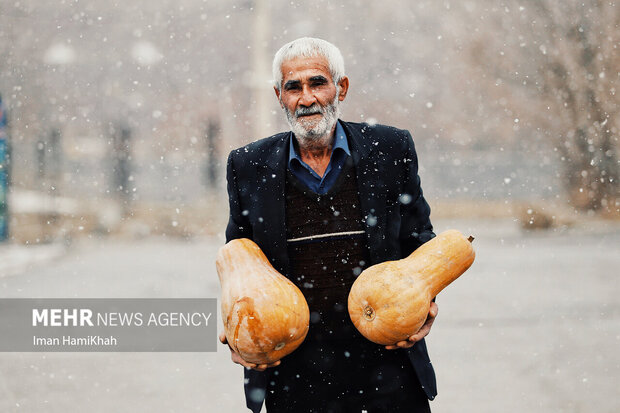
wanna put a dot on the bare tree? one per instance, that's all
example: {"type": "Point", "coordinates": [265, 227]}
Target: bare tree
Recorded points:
{"type": "Point", "coordinates": [558, 67]}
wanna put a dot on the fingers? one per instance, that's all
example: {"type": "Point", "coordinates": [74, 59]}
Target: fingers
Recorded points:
{"type": "Point", "coordinates": [410, 341]}
{"type": "Point", "coordinates": [434, 310]}
{"type": "Point", "coordinates": [426, 327]}
{"type": "Point", "coordinates": [263, 367]}
{"type": "Point", "coordinates": [236, 358]}
{"type": "Point", "coordinates": [423, 332]}
{"type": "Point", "coordinates": [400, 344]}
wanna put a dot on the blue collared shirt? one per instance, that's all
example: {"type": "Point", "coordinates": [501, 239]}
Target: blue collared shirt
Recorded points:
{"type": "Point", "coordinates": [303, 172]}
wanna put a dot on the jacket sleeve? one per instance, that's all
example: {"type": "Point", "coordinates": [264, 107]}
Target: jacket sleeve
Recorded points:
{"type": "Point", "coordinates": [416, 227]}
{"type": "Point", "coordinates": [238, 224]}
{"type": "Point", "coordinates": [239, 227]}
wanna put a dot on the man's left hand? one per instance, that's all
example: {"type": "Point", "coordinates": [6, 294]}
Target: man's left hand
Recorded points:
{"type": "Point", "coordinates": [422, 332]}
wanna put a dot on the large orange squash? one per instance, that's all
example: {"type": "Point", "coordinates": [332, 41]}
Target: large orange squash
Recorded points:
{"type": "Point", "coordinates": [265, 315]}
{"type": "Point", "coordinates": [389, 302]}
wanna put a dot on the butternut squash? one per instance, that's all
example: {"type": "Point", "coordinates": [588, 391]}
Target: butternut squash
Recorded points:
{"type": "Point", "coordinates": [389, 302]}
{"type": "Point", "coordinates": [265, 315]}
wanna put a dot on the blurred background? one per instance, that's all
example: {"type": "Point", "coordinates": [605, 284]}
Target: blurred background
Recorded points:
{"type": "Point", "coordinates": [116, 119]}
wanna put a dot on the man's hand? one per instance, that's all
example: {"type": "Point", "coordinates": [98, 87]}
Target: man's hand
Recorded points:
{"type": "Point", "coordinates": [237, 358]}
{"type": "Point", "coordinates": [423, 332]}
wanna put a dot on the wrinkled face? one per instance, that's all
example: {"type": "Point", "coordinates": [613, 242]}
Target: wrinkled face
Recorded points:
{"type": "Point", "coordinates": [309, 96]}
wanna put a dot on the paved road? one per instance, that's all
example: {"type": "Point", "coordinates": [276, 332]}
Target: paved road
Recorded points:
{"type": "Point", "coordinates": [533, 326]}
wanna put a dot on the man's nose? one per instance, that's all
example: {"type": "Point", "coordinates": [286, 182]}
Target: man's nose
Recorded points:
{"type": "Point", "coordinates": [307, 97]}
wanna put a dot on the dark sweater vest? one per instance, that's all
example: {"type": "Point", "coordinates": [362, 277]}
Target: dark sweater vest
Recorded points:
{"type": "Point", "coordinates": [327, 251]}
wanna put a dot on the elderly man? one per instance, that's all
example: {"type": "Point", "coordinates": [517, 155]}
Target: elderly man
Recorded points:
{"type": "Point", "coordinates": [324, 201]}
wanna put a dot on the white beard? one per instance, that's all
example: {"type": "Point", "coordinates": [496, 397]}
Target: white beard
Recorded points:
{"type": "Point", "coordinates": [312, 133]}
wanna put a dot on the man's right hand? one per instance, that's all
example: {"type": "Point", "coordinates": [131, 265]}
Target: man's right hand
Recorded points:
{"type": "Point", "coordinates": [236, 358]}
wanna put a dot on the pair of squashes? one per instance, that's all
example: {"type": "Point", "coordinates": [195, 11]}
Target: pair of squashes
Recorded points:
{"type": "Point", "coordinates": [266, 316]}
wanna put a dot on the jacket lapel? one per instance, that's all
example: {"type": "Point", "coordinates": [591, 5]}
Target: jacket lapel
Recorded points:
{"type": "Point", "coordinates": [369, 187]}
{"type": "Point", "coordinates": [271, 187]}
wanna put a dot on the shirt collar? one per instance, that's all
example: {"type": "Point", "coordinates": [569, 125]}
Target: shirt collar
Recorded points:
{"type": "Point", "coordinates": [340, 142]}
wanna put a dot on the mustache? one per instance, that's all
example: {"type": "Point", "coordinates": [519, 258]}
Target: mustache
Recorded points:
{"type": "Point", "coordinates": [313, 109]}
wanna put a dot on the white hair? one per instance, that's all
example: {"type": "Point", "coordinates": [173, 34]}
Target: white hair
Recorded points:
{"type": "Point", "coordinates": [308, 47]}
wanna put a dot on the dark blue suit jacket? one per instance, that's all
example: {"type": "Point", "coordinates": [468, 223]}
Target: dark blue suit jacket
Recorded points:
{"type": "Point", "coordinates": [396, 213]}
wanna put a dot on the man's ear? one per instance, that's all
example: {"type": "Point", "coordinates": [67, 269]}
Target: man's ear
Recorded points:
{"type": "Point", "coordinates": [275, 89]}
{"type": "Point", "coordinates": [344, 87]}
